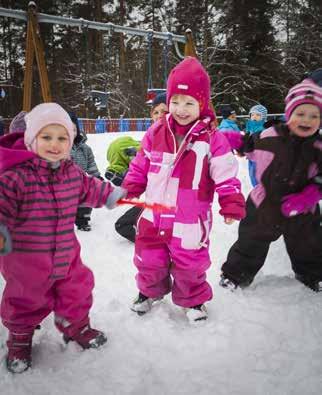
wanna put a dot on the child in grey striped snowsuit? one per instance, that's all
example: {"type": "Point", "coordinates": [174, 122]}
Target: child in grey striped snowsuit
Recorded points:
{"type": "Point", "coordinates": [83, 156]}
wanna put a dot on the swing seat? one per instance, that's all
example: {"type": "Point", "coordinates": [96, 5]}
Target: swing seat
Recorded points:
{"type": "Point", "coordinates": [99, 98]}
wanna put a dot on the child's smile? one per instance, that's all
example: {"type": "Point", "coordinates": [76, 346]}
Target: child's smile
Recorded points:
{"type": "Point", "coordinates": [304, 120]}
{"type": "Point", "coordinates": [184, 108]}
{"type": "Point", "coordinates": [53, 143]}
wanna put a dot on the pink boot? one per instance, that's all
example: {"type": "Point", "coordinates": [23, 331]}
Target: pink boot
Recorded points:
{"type": "Point", "coordinates": [82, 333]}
{"type": "Point", "coordinates": [19, 352]}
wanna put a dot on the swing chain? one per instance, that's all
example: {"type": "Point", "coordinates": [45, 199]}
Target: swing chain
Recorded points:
{"type": "Point", "coordinates": [166, 44]}
{"type": "Point", "coordinates": [150, 38]}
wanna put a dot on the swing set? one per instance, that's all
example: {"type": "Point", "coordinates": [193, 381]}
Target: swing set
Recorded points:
{"type": "Point", "coordinates": [34, 48]}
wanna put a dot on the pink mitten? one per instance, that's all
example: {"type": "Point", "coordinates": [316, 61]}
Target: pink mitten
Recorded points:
{"type": "Point", "coordinates": [301, 202]}
{"type": "Point", "coordinates": [232, 206]}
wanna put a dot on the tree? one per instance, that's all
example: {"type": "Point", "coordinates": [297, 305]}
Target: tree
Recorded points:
{"type": "Point", "coordinates": [246, 61]}
{"type": "Point", "coordinates": [303, 47]}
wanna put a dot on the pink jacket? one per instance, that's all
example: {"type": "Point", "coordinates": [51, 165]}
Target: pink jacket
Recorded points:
{"type": "Point", "coordinates": [38, 204]}
{"type": "Point", "coordinates": [185, 179]}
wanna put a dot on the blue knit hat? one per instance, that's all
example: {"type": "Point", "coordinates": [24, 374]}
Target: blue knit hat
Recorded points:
{"type": "Point", "coordinates": [259, 109]}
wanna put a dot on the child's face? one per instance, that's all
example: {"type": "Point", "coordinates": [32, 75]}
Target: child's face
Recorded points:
{"type": "Point", "coordinates": [53, 143]}
{"type": "Point", "coordinates": [304, 120]}
{"type": "Point", "coordinates": [158, 111]}
{"type": "Point", "coordinates": [184, 109]}
{"type": "Point", "coordinates": [254, 116]}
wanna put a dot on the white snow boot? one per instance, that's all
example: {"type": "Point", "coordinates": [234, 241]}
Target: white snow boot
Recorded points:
{"type": "Point", "coordinates": [197, 313]}
{"type": "Point", "coordinates": [142, 304]}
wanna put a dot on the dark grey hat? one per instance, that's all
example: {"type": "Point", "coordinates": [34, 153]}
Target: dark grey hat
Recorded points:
{"type": "Point", "coordinates": [160, 98]}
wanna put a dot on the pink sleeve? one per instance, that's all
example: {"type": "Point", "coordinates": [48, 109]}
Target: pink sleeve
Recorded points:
{"type": "Point", "coordinates": [11, 191]}
{"type": "Point", "coordinates": [136, 178]}
{"type": "Point", "coordinates": [223, 166]}
{"type": "Point", "coordinates": [95, 192]}
{"type": "Point", "coordinates": [223, 170]}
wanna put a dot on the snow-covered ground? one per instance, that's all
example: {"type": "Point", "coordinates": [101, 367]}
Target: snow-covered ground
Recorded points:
{"type": "Point", "coordinates": [265, 340]}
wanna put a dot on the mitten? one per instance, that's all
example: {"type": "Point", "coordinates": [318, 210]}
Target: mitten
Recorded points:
{"type": "Point", "coordinates": [301, 202]}
{"type": "Point", "coordinates": [232, 206]}
{"type": "Point", "coordinates": [117, 194]}
{"type": "Point", "coordinates": [115, 178]}
{"type": "Point", "coordinates": [130, 151]}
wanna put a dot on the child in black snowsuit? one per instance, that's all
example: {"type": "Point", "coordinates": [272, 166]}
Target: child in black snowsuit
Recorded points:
{"type": "Point", "coordinates": [83, 156]}
{"type": "Point", "coordinates": [285, 202]}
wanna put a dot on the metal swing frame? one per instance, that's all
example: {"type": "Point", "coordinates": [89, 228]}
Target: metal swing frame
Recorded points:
{"type": "Point", "coordinates": [34, 45]}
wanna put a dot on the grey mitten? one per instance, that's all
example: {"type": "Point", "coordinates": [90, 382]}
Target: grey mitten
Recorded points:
{"type": "Point", "coordinates": [117, 194]}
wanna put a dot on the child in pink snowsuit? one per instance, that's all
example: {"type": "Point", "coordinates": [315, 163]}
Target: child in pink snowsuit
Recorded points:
{"type": "Point", "coordinates": [40, 190]}
{"type": "Point", "coordinates": [182, 162]}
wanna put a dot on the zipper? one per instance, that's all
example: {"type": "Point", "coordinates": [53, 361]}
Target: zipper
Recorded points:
{"type": "Point", "coordinates": [183, 144]}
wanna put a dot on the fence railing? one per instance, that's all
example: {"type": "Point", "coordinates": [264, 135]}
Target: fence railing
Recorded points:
{"type": "Point", "coordinates": [129, 124]}
{"type": "Point", "coordinates": [92, 126]}
{"type": "Point", "coordinates": [114, 125]}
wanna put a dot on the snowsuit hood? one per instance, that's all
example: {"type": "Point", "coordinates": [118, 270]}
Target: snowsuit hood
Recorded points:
{"type": "Point", "coordinates": [117, 155]}
{"type": "Point", "coordinates": [13, 151]}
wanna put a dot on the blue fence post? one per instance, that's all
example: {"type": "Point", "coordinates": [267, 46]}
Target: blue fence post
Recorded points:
{"type": "Point", "coordinates": [148, 123]}
{"type": "Point", "coordinates": [127, 125]}
{"type": "Point", "coordinates": [121, 124]}
{"type": "Point", "coordinates": [139, 125]}
{"type": "Point", "coordinates": [100, 126]}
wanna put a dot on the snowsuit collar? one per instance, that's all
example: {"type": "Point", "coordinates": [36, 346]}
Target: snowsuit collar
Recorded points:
{"type": "Point", "coordinates": [14, 152]}
{"type": "Point", "coordinates": [196, 128]}
{"type": "Point", "coordinates": [80, 139]}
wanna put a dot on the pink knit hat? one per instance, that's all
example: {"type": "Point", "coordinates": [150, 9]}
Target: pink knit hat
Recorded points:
{"type": "Point", "coordinates": [18, 123]}
{"type": "Point", "coordinates": [190, 78]}
{"type": "Point", "coordinates": [43, 115]}
{"type": "Point", "coordinates": [306, 92]}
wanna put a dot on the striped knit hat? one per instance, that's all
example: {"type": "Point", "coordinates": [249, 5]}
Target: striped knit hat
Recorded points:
{"type": "Point", "coordinates": [259, 109]}
{"type": "Point", "coordinates": [43, 115]}
{"type": "Point", "coordinates": [306, 92]}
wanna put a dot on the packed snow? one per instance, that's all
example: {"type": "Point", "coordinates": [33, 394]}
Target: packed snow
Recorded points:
{"type": "Point", "coordinates": [265, 340]}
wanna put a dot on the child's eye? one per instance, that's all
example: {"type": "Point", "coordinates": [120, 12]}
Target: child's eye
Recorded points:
{"type": "Point", "coordinates": [45, 137]}
{"type": "Point", "coordinates": [62, 138]}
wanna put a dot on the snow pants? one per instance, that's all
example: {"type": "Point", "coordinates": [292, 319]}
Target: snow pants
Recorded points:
{"type": "Point", "coordinates": [159, 258]}
{"type": "Point", "coordinates": [83, 216]}
{"type": "Point", "coordinates": [302, 236]}
{"type": "Point", "coordinates": [30, 294]}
